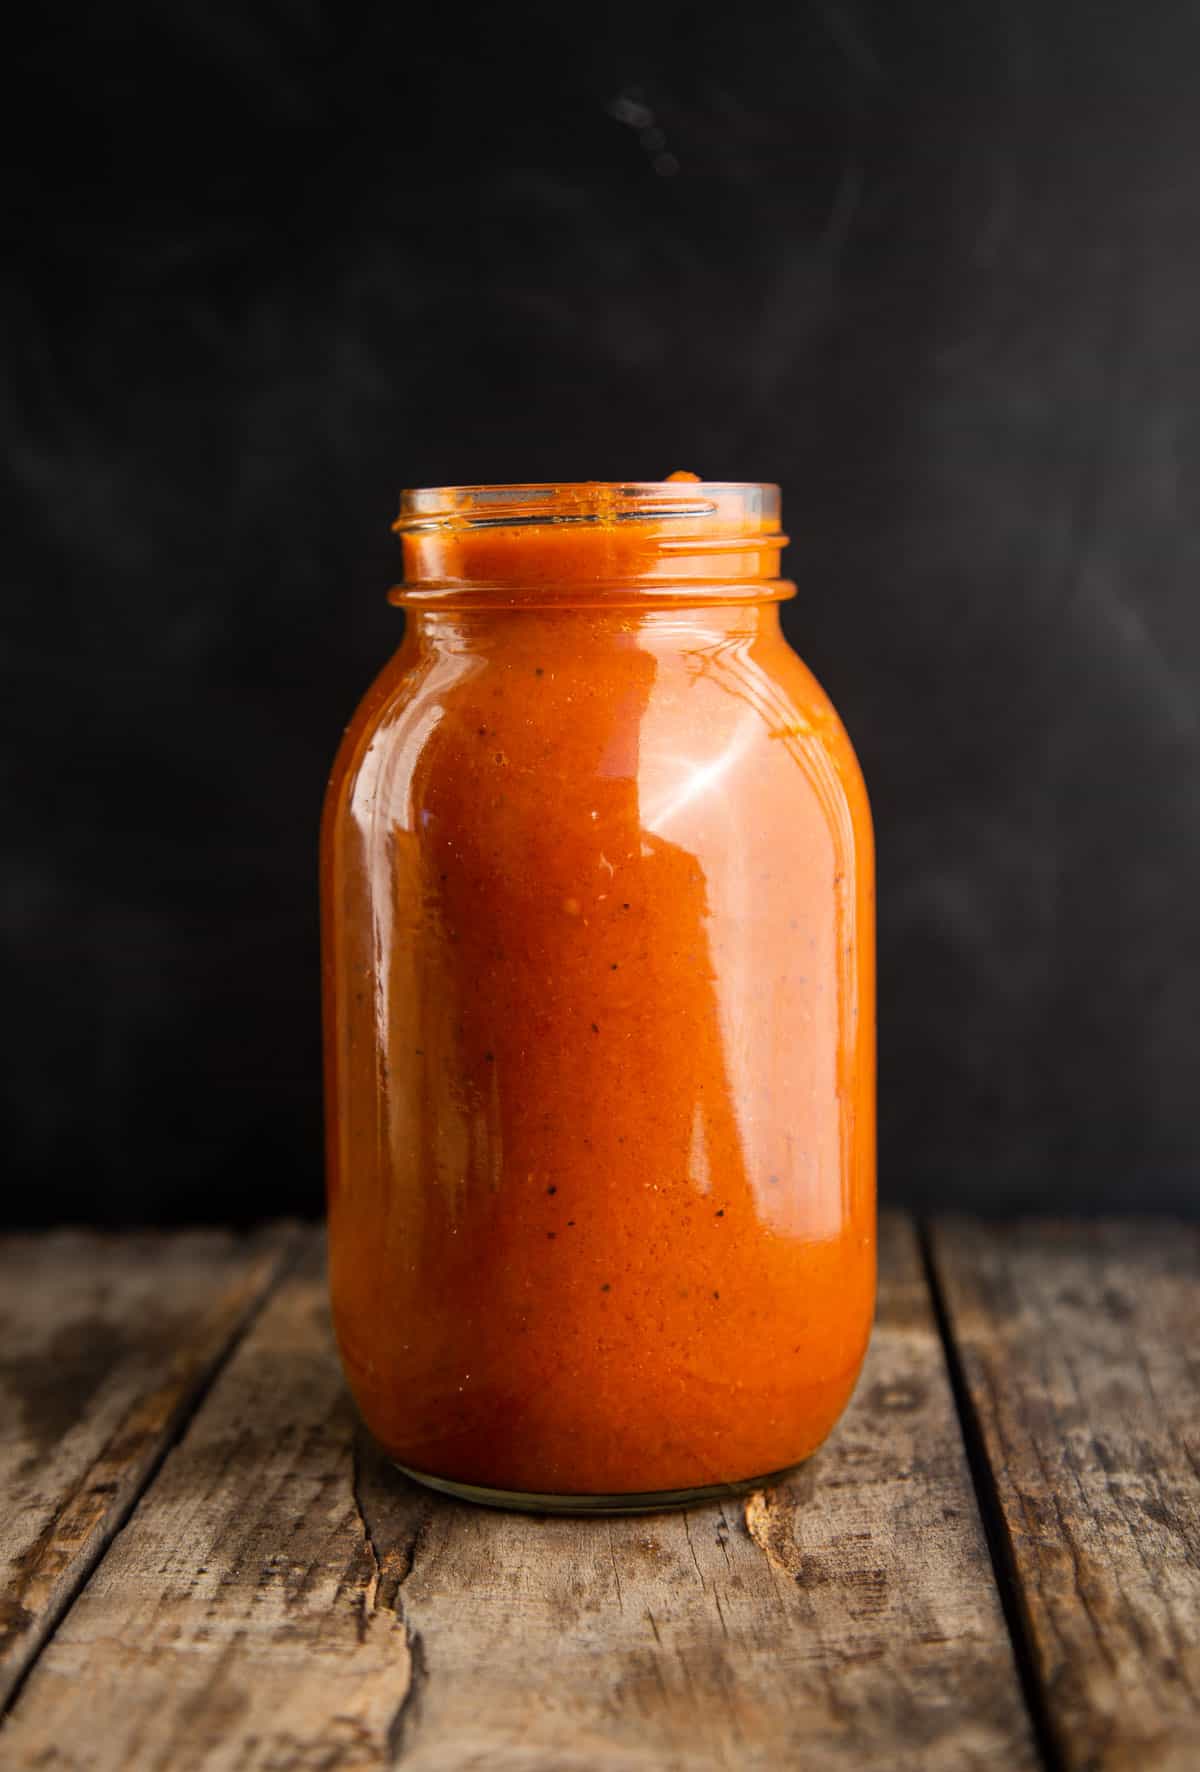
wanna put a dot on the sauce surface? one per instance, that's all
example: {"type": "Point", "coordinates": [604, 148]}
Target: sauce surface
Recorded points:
{"type": "Point", "coordinates": [599, 970]}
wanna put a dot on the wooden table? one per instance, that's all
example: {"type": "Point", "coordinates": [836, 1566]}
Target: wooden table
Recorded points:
{"type": "Point", "coordinates": [995, 1562]}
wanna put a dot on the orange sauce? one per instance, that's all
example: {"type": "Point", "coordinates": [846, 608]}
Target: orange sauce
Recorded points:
{"type": "Point", "coordinates": [599, 974]}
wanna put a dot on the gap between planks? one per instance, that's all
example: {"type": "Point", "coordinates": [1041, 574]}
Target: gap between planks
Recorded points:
{"type": "Point", "coordinates": [987, 1499]}
{"type": "Point", "coordinates": [1076, 1346]}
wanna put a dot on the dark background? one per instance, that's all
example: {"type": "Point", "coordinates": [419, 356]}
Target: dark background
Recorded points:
{"type": "Point", "coordinates": [936, 268]}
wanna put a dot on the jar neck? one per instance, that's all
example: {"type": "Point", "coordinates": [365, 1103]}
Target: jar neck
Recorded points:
{"type": "Point", "coordinates": [594, 544]}
{"type": "Point", "coordinates": [564, 631]}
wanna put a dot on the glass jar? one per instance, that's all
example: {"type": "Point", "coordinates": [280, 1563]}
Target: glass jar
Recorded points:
{"type": "Point", "coordinates": [598, 910]}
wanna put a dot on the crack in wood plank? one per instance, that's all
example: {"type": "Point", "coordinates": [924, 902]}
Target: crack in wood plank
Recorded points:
{"type": "Point", "coordinates": [394, 1548]}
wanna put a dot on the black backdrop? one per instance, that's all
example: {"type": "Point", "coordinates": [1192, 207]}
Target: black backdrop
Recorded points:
{"type": "Point", "coordinates": [934, 267]}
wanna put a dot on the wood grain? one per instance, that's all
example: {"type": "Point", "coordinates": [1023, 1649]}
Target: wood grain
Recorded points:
{"type": "Point", "coordinates": [279, 1603]}
{"type": "Point", "coordinates": [105, 1344]}
{"type": "Point", "coordinates": [1080, 1351]}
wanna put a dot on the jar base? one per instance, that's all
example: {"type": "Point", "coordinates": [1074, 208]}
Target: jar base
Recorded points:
{"type": "Point", "coordinates": [653, 1501]}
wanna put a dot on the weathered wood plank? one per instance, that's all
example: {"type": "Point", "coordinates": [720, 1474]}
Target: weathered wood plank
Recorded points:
{"type": "Point", "coordinates": [240, 1619]}
{"type": "Point", "coordinates": [276, 1603]}
{"type": "Point", "coordinates": [844, 1619]}
{"type": "Point", "coordinates": [105, 1344]}
{"type": "Point", "coordinates": [1080, 1351]}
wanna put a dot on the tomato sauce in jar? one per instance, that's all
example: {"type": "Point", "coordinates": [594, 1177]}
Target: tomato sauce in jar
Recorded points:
{"type": "Point", "coordinates": [597, 887]}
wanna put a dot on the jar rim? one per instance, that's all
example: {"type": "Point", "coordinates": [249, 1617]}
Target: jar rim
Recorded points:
{"type": "Point", "coordinates": [732, 507]}
{"type": "Point", "coordinates": [592, 541]}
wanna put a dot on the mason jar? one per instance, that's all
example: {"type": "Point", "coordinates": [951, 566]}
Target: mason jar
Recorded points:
{"type": "Point", "coordinates": [598, 918]}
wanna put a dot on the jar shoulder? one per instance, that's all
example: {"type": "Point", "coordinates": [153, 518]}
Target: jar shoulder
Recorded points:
{"type": "Point", "coordinates": [382, 727]}
{"type": "Point", "coordinates": [819, 719]}
{"type": "Point", "coordinates": [743, 727]}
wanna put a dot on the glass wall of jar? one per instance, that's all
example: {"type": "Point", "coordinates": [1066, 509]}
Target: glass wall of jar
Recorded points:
{"type": "Point", "coordinates": [597, 885]}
